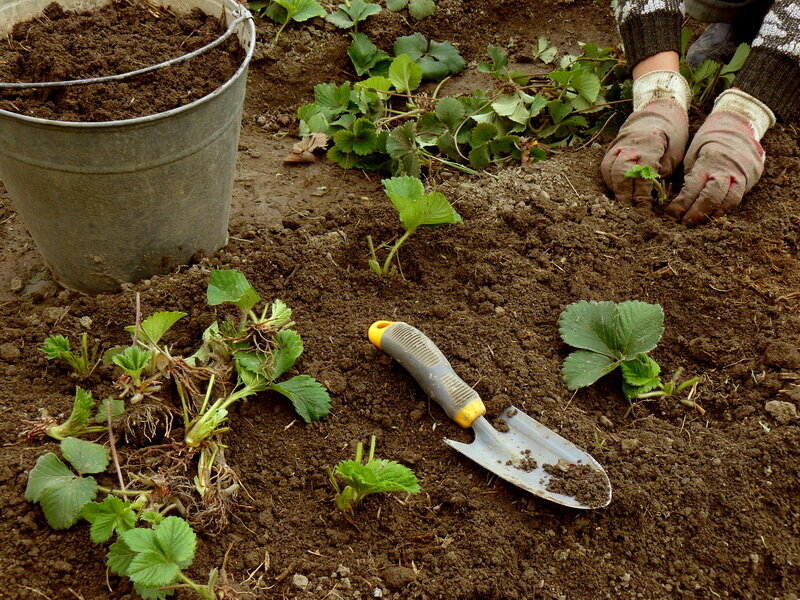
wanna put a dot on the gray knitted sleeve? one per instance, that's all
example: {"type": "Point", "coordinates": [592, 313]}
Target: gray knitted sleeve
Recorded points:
{"type": "Point", "coordinates": [648, 27]}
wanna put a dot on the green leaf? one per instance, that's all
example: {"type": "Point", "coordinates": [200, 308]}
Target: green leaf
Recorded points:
{"type": "Point", "coordinates": [334, 99]}
{"type": "Point", "coordinates": [119, 557]}
{"type": "Point", "coordinates": [414, 207]}
{"type": "Point", "coordinates": [362, 139]}
{"type": "Point", "coordinates": [436, 59]}
{"type": "Point", "coordinates": [642, 172]}
{"type": "Point", "coordinates": [48, 470]}
{"type": "Point", "coordinates": [152, 517]}
{"type": "Point", "coordinates": [81, 411]}
{"type": "Point", "coordinates": [348, 16]}
{"type": "Point", "coordinates": [591, 326]}
{"type": "Point", "coordinates": [177, 540]}
{"type": "Point", "coordinates": [152, 593]}
{"type": "Point", "coordinates": [116, 405]}
{"type": "Point", "coordinates": [153, 328]}
{"type": "Point", "coordinates": [365, 55]}
{"type": "Point", "coordinates": [109, 516]}
{"type": "Point", "coordinates": [62, 502]}
{"type": "Point", "coordinates": [401, 145]}
{"type": "Point", "coordinates": [738, 60]}
{"type": "Point", "coordinates": [641, 372]}
{"type": "Point", "coordinates": [302, 10]}
{"type": "Point", "coordinates": [396, 5]}
{"type": "Point", "coordinates": [161, 552]}
{"type": "Point", "coordinates": [289, 347]}
{"type": "Point", "coordinates": [558, 110]}
{"type": "Point", "coordinates": [346, 160]}
{"type": "Point", "coordinates": [231, 286]}
{"type": "Point", "coordinates": [483, 134]}
{"type": "Point", "coordinates": [451, 112]}
{"type": "Point", "coordinates": [133, 360]}
{"type": "Point", "coordinates": [309, 397]}
{"type": "Point", "coordinates": [56, 346]}
{"type": "Point", "coordinates": [582, 368]}
{"type": "Point", "coordinates": [86, 457]}
{"type": "Point", "coordinates": [378, 476]}
{"type": "Point", "coordinates": [586, 84]}
{"type": "Point", "coordinates": [405, 74]}
{"type": "Point", "coordinates": [499, 61]}
{"type": "Point", "coordinates": [420, 9]}
{"type": "Point", "coordinates": [641, 326]}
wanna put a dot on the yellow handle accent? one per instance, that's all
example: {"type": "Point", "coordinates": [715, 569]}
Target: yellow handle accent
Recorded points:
{"type": "Point", "coordinates": [376, 331]}
{"type": "Point", "coordinates": [470, 412]}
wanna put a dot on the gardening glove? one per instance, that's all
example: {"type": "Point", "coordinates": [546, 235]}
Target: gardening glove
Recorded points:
{"type": "Point", "coordinates": [655, 134]}
{"type": "Point", "coordinates": [724, 160]}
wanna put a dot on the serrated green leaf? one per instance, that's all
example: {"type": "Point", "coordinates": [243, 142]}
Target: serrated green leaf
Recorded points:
{"type": "Point", "coordinates": [480, 157]}
{"type": "Point", "coordinates": [151, 569]}
{"type": "Point", "coordinates": [361, 139]}
{"type": "Point", "coordinates": [586, 84]}
{"type": "Point", "coordinates": [231, 286]}
{"type": "Point", "coordinates": [117, 406]}
{"type": "Point", "coordinates": [133, 360]}
{"type": "Point", "coordinates": [48, 470]}
{"type": "Point", "coordinates": [86, 457]}
{"type": "Point", "coordinates": [591, 326]}
{"type": "Point", "coordinates": [81, 411]}
{"type": "Point", "coordinates": [641, 371]}
{"type": "Point", "coordinates": [331, 97]}
{"type": "Point", "coordinates": [56, 346]}
{"type": "Point", "coordinates": [641, 326]}
{"type": "Point", "coordinates": [401, 145]}
{"type": "Point", "coordinates": [119, 557]}
{"type": "Point", "coordinates": [161, 552]}
{"type": "Point", "coordinates": [738, 60]}
{"type": "Point", "coordinates": [558, 110]}
{"type": "Point", "coordinates": [582, 368]}
{"type": "Point", "coordinates": [365, 55]}
{"type": "Point", "coordinates": [177, 540]}
{"type": "Point", "coordinates": [289, 347]}
{"type": "Point", "coordinates": [301, 10]}
{"type": "Point", "coordinates": [153, 593]}
{"type": "Point", "coordinates": [414, 207]}
{"type": "Point", "coordinates": [437, 60]}
{"type": "Point", "coordinates": [421, 9]}
{"type": "Point", "coordinates": [153, 328]}
{"type": "Point", "coordinates": [414, 46]}
{"type": "Point", "coordinates": [62, 503]}
{"type": "Point", "coordinates": [396, 5]}
{"type": "Point", "coordinates": [483, 134]}
{"type": "Point", "coordinates": [108, 355]}
{"type": "Point", "coordinates": [498, 57]}
{"type": "Point", "coordinates": [378, 476]}
{"type": "Point", "coordinates": [309, 397]}
{"type": "Point", "coordinates": [109, 516]}
{"type": "Point", "coordinates": [152, 517]}
{"type": "Point", "coordinates": [405, 74]}
{"type": "Point", "coordinates": [450, 111]}
{"type": "Point", "coordinates": [348, 16]}
{"type": "Point", "coordinates": [346, 160]}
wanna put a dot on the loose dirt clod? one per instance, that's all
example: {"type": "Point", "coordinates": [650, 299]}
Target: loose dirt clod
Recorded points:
{"type": "Point", "coordinates": [586, 484]}
{"type": "Point", "coordinates": [117, 38]}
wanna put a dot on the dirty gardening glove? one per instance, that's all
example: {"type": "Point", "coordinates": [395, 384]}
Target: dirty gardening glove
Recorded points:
{"type": "Point", "coordinates": [655, 134]}
{"type": "Point", "coordinates": [724, 160]}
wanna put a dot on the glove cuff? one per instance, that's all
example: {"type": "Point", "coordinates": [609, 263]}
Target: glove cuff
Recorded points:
{"type": "Point", "coordinates": [751, 109]}
{"type": "Point", "coordinates": [661, 85]}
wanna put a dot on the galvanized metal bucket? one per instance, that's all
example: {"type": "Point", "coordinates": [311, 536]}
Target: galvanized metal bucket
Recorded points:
{"type": "Point", "coordinates": [119, 201]}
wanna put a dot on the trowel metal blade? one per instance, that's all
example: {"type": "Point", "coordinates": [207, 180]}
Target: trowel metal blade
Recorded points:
{"type": "Point", "coordinates": [504, 452]}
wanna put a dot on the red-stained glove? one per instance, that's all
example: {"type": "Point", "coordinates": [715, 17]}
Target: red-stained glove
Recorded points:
{"type": "Point", "coordinates": [655, 135]}
{"type": "Point", "coordinates": [723, 162]}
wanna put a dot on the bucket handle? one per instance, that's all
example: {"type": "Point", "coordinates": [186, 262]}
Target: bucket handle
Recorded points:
{"type": "Point", "coordinates": [49, 84]}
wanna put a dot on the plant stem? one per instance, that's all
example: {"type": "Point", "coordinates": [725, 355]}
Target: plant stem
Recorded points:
{"type": "Point", "coordinates": [202, 590]}
{"type": "Point", "coordinates": [209, 389]}
{"type": "Point", "coordinates": [372, 441]}
{"type": "Point", "coordinates": [394, 250]}
{"type": "Point", "coordinates": [123, 492]}
{"type": "Point", "coordinates": [113, 446]}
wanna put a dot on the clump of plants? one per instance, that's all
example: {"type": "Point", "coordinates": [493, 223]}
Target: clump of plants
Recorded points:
{"type": "Point", "coordinates": [179, 469]}
{"type": "Point", "coordinates": [610, 336]}
{"type": "Point", "coordinates": [710, 77]}
{"type": "Point", "coordinates": [360, 478]}
{"type": "Point", "coordinates": [416, 209]}
{"type": "Point", "coordinates": [82, 360]}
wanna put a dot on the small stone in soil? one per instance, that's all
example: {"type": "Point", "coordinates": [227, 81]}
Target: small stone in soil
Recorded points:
{"type": "Point", "coordinates": [587, 485]}
{"type": "Point", "coordinates": [501, 426]}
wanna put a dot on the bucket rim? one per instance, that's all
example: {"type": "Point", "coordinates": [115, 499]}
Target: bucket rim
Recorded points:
{"type": "Point", "coordinates": [249, 23]}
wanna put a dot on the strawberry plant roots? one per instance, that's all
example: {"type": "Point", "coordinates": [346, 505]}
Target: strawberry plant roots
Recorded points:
{"type": "Point", "coordinates": [704, 506]}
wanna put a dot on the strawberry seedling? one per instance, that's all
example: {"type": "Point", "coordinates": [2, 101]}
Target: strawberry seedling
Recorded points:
{"type": "Point", "coordinates": [351, 13]}
{"type": "Point", "coordinates": [82, 360]}
{"type": "Point", "coordinates": [284, 12]}
{"type": "Point", "coordinates": [371, 477]}
{"type": "Point", "coordinates": [648, 173]}
{"type": "Point", "coordinates": [416, 209]}
{"type": "Point", "coordinates": [419, 9]}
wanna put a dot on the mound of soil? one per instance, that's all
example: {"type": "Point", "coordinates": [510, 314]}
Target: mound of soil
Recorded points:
{"type": "Point", "coordinates": [704, 506]}
{"type": "Point", "coordinates": [123, 36]}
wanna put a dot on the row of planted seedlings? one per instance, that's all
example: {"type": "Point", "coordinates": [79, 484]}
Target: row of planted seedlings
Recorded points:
{"type": "Point", "coordinates": [162, 435]}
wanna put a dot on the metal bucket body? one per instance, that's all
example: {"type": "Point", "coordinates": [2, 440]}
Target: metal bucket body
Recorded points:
{"type": "Point", "coordinates": [119, 201]}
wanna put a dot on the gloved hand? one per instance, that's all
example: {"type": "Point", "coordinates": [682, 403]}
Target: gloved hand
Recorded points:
{"type": "Point", "coordinates": [724, 160]}
{"type": "Point", "coordinates": [655, 134]}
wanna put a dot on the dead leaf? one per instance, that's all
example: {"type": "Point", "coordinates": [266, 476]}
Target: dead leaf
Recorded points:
{"type": "Point", "coordinates": [303, 151]}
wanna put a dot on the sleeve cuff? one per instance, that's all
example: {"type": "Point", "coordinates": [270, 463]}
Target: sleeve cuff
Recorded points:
{"type": "Point", "coordinates": [647, 34]}
{"type": "Point", "coordinates": [773, 78]}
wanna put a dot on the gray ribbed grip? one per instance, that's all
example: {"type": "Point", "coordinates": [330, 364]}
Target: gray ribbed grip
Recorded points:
{"type": "Point", "coordinates": [426, 363]}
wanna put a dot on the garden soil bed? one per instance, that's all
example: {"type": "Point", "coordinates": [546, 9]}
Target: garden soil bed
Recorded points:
{"type": "Point", "coordinates": [704, 506]}
{"type": "Point", "coordinates": [120, 37]}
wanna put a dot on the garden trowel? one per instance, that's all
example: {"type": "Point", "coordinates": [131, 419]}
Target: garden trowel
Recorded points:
{"type": "Point", "coordinates": [519, 450]}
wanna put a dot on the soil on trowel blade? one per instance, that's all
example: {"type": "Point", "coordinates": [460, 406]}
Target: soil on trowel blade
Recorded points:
{"type": "Point", "coordinates": [123, 36]}
{"type": "Point", "coordinates": [587, 485]}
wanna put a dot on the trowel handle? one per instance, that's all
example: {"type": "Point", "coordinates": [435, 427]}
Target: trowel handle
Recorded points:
{"type": "Point", "coordinates": [426, 363]}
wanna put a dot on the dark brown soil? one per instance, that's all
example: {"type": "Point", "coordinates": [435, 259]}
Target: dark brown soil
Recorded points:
{"type": "Point", "coordinates": [123, 36]}
{"type": "Point", "coordinates": [704, 506]}
{"type": "Point", "coordinates": [587, 485]}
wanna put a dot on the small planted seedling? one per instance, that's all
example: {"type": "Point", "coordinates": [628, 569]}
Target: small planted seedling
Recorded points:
{"type": "Point", "coordinates": [650, 174]}
{"type": "Point", "coordinates": [77, 424]}
{"type": "Point", "coordinates": [351, 13]}
{"type": "Point", "coordinates": [284, 12]}
{"type": "Point", "coordinates": [82, 360]}
{"type": "Point", "coordinates": [611, 335]}
{"type": "Point", "coordinates": [59, 491]}
{"type": "Point", "coordinates": [371, 477]}
{"type": "Point", "coordinates": [416, 209]}
{"type": "Point", "coordinates": [419, 9]}
{"type": "Point", "coordinates": [436, 59]}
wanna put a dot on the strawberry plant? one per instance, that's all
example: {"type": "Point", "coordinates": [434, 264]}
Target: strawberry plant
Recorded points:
{"type": "Point", "coordinates": [374, 476]}
{"type": "Point", "coordinates": [610, 336]}
{"type": "Point", "coordinates": [351, 13]}
{"type": "Point", "coordinates": [650, 174]}
{"type": "Point", "coordinates": [436, 59]}
{"type": "Point", "coordinates": [710, 77]}
{"type": "Point", "coordinates": [284, 12]}
{"type": "Point", "coordinates": [416, 209]}
{"type": "Point", "coordinates": [82, 360]}
{"type": "Point", "coordinates": [419, 9]}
